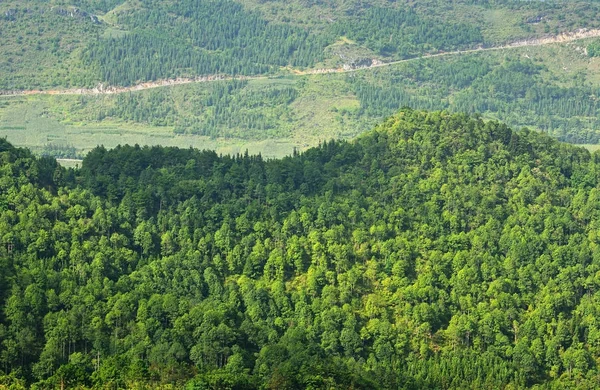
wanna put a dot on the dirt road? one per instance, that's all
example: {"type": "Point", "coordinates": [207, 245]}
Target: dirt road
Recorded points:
{"type": "Point", "coordinates": [107, 90]}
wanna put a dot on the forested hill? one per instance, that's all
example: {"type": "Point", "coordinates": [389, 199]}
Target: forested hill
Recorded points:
{"type": "Point", "coordinates": [80, 43]}
{"type": "Point", "coordinates": [436, 251]}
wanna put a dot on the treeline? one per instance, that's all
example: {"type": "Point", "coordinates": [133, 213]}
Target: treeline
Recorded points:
{"type": "Point", "coordinates": [437, 251]}
{"type": "Point", "coordinates": [59, 150]}
{"type": "Point", "coordinates": [379, 101]}
{"type": "Point", "coordinates": [219, 109]}
{"type": "Point", "coordinates": [517, 91]}
{"type": "Point", "coordinates": [188, 38]}
{"type": "Point", "coordinates": [402, 33]}
{"type": "Point", "coordinates": [248, 113]}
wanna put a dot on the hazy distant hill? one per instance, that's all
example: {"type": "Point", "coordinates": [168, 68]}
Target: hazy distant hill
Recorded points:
{"type": "Point", "coordinates": [80, 43]}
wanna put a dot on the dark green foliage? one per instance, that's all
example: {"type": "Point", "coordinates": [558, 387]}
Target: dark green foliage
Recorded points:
{"type": "Point", "coordinates": [80, 43]}
{"type": "Point", "coordinates": [593, 49]}
{"type": "Point", "coordinates": [190, 38]}
{"type": "Point", "coordinates": [402, 33]}
{"type": "Point", "coordinates": [219, 109]}
{"type": "Point", "coordinates": [515, 90]}
{"type": "Point", "coordinates": [436, 251]}
{"type": "Point", "coordinates": [167, 41]}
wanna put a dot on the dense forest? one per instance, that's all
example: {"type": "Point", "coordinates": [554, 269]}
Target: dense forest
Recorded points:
{"type": "Point", "coordinates": [436, 251]}
{"type": "Point", "coordinates": [167, 42]}
{"type": "Point", "coordinates": [187, 38]}
{"type": "Point", "coordinates": [402, 33]}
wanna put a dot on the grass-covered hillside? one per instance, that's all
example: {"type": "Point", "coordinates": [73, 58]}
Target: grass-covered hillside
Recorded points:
{"type": "Point", "coordinates": [65, 43]}
{"type": "Point", "coordinates": [435, 251]}
{"type": "Point", "coordinates": [55, 45]}
{"type": "Point", "coordinates": [551, 88]}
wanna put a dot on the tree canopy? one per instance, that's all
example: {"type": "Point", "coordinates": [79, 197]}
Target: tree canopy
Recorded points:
{"type": "Point", "coordinates": [436, 251]}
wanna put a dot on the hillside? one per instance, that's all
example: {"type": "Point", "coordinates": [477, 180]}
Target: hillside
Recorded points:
{"type": "Point", "coordinates": [77, 43]}
{"type": "Point", "coordinates": [435, 251]}
{"type": "Point", "coordinates": [550, 88]}
{"type": "Point", "coordinates": [258, 69]}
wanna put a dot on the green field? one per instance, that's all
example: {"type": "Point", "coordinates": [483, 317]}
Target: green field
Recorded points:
{"type": "Point", "coordinates": [27, 123]}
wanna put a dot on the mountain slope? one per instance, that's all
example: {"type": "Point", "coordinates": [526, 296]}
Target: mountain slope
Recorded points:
{"type": "Point", "coordinates": [436, 251]}
{"type": "Point", "coordinates": [99, 45]}
{"type": "Point", "coordinates": [82, 43]}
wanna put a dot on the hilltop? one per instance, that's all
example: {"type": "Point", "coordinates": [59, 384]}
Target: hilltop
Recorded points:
{"type": "Point", "coordinates": [435, 251]}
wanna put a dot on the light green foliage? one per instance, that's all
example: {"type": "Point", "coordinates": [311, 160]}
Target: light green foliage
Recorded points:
{"type": "Point", "coordinates": [436, 251]}
{"type": "Point", "coordinates": [40, 45]}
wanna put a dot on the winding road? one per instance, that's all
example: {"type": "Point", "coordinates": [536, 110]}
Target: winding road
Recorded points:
{"type": "Point", "coordinates": [107, 90]}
